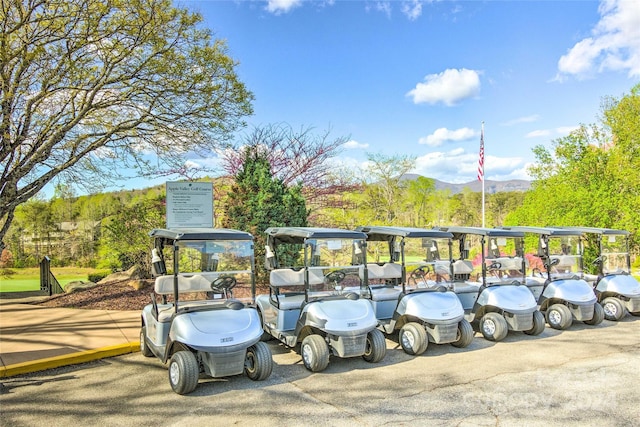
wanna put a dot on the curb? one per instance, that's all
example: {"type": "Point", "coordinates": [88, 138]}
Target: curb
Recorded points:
{"type": "Point", "coordinates": [69, 359]}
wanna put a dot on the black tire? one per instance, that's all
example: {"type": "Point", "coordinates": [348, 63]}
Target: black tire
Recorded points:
{"type": "Point", "coordinates": [598, 315]}
{"type": "Point", "coordinates": [376, 347]}
{"type": "Point", "coordinates": [538, 324]}
{"type": "Point", "coordinates": [559, 316]}
{"type": "Point", "coordinates": [465, 334]}
{"type": "Point", "coordinates": [493, 326]}
{"type": "Point", "coordinates": [183, 372]}
{"type": "Point", "coordinates": [266, 336]}
{"type": "Point", "coordinates": [258, 362]}
{"type": "Point", "coordinates": [144, 347]}
{"type": "Point", "coordinates": [413, 338]}
{"type": "Point", "coordinates": [315, 353]}
{"type": "Point", "coordinates": [613, 309]}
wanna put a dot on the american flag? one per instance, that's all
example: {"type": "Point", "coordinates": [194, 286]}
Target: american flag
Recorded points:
{"type": "Point", "coordinates": [481, 159]}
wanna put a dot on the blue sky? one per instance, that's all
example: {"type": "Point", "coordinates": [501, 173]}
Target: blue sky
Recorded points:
{"type": "Point", "coordinates": [419, 77]}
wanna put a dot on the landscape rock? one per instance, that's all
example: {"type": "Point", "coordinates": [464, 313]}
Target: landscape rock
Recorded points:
{"type": "Point", "coordinates": [135, 272]}
{"type": "Point", "coordinates": [77, 285]}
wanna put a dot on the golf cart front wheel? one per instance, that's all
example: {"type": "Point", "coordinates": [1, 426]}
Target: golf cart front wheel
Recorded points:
{"type": "Point", "coordinates": [559, 316]}
{"type": "Point", "coordinates": [493, 326]}
{"type": "Point", "coordinates": [413, 338]}
{"type": "Point", "coordinates": [464, 336]}
{"type": "Point", "coordinates": [376, 347]}
{"type": "Point", "coordinates": [183, 372]}
{"type": "Point", "coordinates": [258, 363]}
{"type": "Point", "coordinates": [598, 315]}
{"type": "Point", "coordinates": [538, 324]}
{"type": "Point", "coordinates": [315, 353]}
{"type": "Point", "coordinates": [144, 346]}
{"type": "Point", "coordinates": [613, 309]}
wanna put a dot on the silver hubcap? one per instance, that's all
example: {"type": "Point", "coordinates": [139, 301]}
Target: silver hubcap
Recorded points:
{"type": "Point", "coordinates": [610, 309]}
{"type": "Point", "coordinates": [250, 362]}
{"type": "Point", "coordinates": [555, 317]}
{"type": "Point", "coordinates": [174, 373]}
{"type": "Point", "coordinates": [489, 327]}
{"type": "Point", "coordinates": [307, 354]}
{"type": "Point", "coordinates": [408, 340]}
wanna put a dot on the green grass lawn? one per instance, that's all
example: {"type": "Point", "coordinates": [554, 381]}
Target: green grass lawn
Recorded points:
{"type": "Point", "coordinates": [28, 279]}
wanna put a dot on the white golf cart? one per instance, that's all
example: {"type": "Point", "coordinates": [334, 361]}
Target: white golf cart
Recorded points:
{"type": "Point", "coordinates": [409, 287]}
{"type": "Point", "coordinates": [198, 327]}
{"type": "Point", "coordinates": [316, 275]}
{"type": "Point", "coordinates": [557, 282]}
{"type": "Point", "coordinates": [488, 277]}
{"type": "Point", "coordinates": [616, 289]}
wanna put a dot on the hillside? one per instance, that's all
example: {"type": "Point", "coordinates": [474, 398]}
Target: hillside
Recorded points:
{"type": "Point", "coordinates": [490, 187]}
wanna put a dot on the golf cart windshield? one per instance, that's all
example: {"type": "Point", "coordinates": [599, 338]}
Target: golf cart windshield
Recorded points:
{"type": "Point", "coordinates": [502, 259]}
{"type": "Point", "coordinates": [615, 254]}
{"type": "Point", "coordinates": [339, 261]}
{"type": "Point", "coordinates": [565, 256]}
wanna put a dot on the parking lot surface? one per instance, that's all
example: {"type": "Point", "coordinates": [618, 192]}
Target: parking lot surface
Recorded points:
{"type": "Point", "coordinates": [586, 376]}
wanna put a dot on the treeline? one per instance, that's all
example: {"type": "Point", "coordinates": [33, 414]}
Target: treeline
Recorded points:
{"type": "Point", "coordinates": [106, 230]}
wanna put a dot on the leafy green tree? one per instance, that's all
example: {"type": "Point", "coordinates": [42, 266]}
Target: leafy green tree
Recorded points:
{"type": "Point", "coordinates": [125, 240]}
{"type": "Point", "coordinates": [258, 200]}
{"type": "Point", "coordinates": [590, 177]}
{"type": "Point", "coordinates": [88, 87]}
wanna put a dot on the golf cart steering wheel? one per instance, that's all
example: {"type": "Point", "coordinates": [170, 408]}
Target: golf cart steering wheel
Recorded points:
{"type": "Point", "coordinates": [335, 277]}
{"type": "Point", "coordinates": [537, 271]}
{"type": "Point", "coordinates": [494, 266]}
{"type": "Point", "coordinates": [420, 272]}
{"type": "Point", "coordinates": [223, 283]}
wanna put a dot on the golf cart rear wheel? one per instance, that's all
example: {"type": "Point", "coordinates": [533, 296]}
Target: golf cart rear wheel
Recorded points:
{"type": "Point", "coordinates": [413, 338]}
{"type": "Point", "coordinates": [538, 324]}
{"type": "Point", "coordinates": [376, 347]}
{"type": "Point", "coordinates": [493, 326]}
{"type": "Point", "coordinates": [258, 363]}
{"type": "Point", "coordinates": [315, 353]}
{"type": "Point", "coordinates": [598, 315]}
{"type": "Point", "coordinates": [465, 334]}
{"type": "Point", "coordinates": [183, 372]}
{"type": "Point", "coordinates": [613, 309]}
{"type": "Point", "coordinates": [144, 347]}
{"type": "Point", "coordinates": [559, 316]}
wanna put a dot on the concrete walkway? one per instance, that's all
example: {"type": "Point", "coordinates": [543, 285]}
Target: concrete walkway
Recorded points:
{"type": "Point", "coordinates": [35, 338]}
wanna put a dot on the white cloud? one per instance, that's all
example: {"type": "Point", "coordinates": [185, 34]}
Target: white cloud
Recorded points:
{"type": "Point", "coordinates": [458, 166]}
{"type": "Point", "coordinates": [443, 135]}
{"type": "Point", "coordinates": [278, 7]}
{"type": "Point", "coordinates": [412, 9]}
{"type": "Point", "coordinates": [538, 133]}
{"type": "Point", "coordinates": [352, 144]}
{"type": "Point", "coordinates": [448, 87]}
{"type": "Point", "coordinates": [614, 43]}
{"type": "Point", "coordinates": [566, 130]}
{"type": "Point", "coordinates": [525, 119]}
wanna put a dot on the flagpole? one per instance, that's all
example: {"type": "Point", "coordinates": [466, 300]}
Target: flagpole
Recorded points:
{"type": "Point", "coordinates": [481, 169]}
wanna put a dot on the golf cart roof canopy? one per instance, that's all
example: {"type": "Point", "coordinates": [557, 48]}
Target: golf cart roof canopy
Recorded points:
{"type": "Point", "coordinates": [383, 233]}
{"type": "Point", "coordinates": [300, 234]}
{"type": "Point", "coordinates": [200, 234]}
{"type": "Point", "coordinates": [548, 231]}
{"type": "Point", "coordinates": [491, 232]}
{"type": "Point", "coordinates": [596, 230]}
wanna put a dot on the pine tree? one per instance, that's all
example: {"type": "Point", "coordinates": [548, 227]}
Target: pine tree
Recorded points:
{"type": "Point", "coordinates": [258, 200]}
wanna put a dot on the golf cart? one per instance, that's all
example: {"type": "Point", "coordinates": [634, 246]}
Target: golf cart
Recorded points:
{"type": "Point", "coordinates": [315, 282]}
{"type": "Point", "coordinates": [409, 287]}
{"type": "Point", "coordinates": [203, 329]}
{"type": "Point", "coordinates": [616, 289]}
{"type": "Point", "coordinates": [557, 283]}
{"type": "Point", "coordinates": [488, 277]}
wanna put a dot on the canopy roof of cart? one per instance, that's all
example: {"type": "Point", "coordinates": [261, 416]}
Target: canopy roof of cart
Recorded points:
{"type": "Point", "coordinates": [596, 230]}
{"type": "Point", "coordinates": [200, 234]}
{"type": "Point", "coordinates": [300, 234]}
{"type": "Point", "coordinates": [490, 232]}
{"type": "Point", "coordinates": [383, 233]}
{"type": "Point", "coordinates": [547, 231]}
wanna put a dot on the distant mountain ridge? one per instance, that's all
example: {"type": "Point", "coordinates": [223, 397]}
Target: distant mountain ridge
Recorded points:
{"type": "Point", "coordinates": [490, 187]}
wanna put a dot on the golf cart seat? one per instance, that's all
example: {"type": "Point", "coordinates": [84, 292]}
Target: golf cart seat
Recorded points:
{"type": "Point", "coordinates": [287, 277]}
{"type": "Point", "coordinates": [194, 282]}
{"type": "Point", "coordinates": [383, 272]}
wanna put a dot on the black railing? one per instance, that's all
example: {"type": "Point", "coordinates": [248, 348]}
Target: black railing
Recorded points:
{"type": "Point", "coordinates": [48, 282]}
